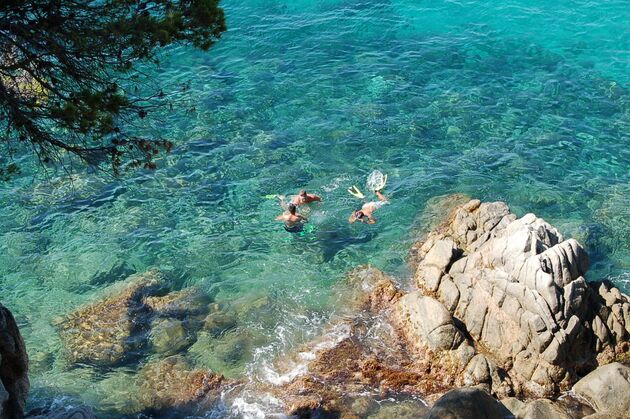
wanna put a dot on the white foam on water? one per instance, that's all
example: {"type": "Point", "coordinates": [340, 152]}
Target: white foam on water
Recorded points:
{"type": "Point", "coordinates": [267, 372]}
{"type": "Point", "coordinates": [252, 403]}
{"type": "Point", "coordinates": [624, 278]}
{"type": "Point", "coordinates": [271, 376]}
{"type": "Point", "coordinates": [621, 281]}
{"type": "Point", "coordinates": [259, 409]}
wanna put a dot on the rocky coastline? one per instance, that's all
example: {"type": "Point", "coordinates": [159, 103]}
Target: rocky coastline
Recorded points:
{"type": "Point", "coordinates": [499, 321]}
{"type": "Point", "coordinates": [500, 304]}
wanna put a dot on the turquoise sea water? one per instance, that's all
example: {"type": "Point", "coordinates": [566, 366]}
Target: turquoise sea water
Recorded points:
{"type": "Point", "coordinates": [522, 101]}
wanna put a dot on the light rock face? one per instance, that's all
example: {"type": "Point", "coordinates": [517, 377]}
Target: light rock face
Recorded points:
{"type": "Point", "coordinates": [607, 389]}
{"type": "Point", "coordinates": [542, 408]}
{"type": "Point", "coordinates": [429, 322]}
{"type": "Point", "coordinates": [516, 288]}
{"type": "Point", "coordinates": [14, 382]}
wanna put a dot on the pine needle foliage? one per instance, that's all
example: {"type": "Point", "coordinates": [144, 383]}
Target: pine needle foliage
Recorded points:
{"type": "Point", "coordinates": [69, 77]}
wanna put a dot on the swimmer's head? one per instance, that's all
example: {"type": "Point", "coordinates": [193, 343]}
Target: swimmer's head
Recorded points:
{"type": "Point", "coordinates": [291, 207]}
{"type": "Point", "coordinates": [358, 214]}
{"type": "Point", "coordinates": [302, 193]}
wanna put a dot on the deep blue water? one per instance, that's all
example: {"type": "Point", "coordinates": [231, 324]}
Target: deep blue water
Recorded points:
{"type": "Point", "coordinates": [522, 101]}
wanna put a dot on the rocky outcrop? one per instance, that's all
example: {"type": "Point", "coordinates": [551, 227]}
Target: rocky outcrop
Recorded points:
{"type": "Point", "coordinates": [133, 313]}
{"type": "Point", "coordinates": [515, 287]}
{"type": "Point", "coordinates": [501, 306]}
{"type": "Point", "coordinates": [14, 382]}
{"type": "Point", "coordinates": [427, 323]}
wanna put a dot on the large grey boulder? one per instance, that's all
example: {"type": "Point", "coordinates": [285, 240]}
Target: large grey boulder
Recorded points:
{"type": "Point", "coordinates": [516, 287]}
{"type": "Point", "coordinates": [607, 389]}
{"type": "Point", "coordinates": [14, 382]}
{"type": "Point", "coordinates": [465, 403]}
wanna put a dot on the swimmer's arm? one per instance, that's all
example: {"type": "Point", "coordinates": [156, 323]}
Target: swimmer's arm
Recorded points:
{"type": "Point", "coordinates": [352, 219]}
{"type": "Point", "coordinates": [280, 217]}
{"type": "Point", "coordinates": [302, 218]}
{"type": "Point", "coordinates": [380, 196]}
{"type": "Point", "coordinates": [314, 198]}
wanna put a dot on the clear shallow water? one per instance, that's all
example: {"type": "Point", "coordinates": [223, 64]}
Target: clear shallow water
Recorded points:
{"type": "Point", "coordinates": [525, 102]}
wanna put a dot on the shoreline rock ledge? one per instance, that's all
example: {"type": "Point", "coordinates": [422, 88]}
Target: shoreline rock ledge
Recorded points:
{"type": "Point", "coordinates": [500, 306]}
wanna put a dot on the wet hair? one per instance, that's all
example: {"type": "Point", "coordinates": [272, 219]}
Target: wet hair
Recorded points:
{"type": "Point", "coordinates": [291, 207]}
{"type": "Point", "coordinates": [302, 192]}
{"type": "Point", "coordinates": [359, 214]}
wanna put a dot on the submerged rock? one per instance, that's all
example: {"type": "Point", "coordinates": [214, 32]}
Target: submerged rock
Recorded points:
{"type": "Point", "coordinates": [228, 353]}
{"type": "Point", "coordinates": [133, 313]}
{"type": "Point", "coordinates": [172, 384]}
{"type": "Point", "coordinates": [79, 412]}
{"type": "Point", "coordinates": [169, 336]}
{"type": "Point", "coordinates": [219, 322]}
{"type": "Point", "coordinates": [370, 288]}
{"type": "Point", "coordinates": [190, 301]}
{"type": "Point", "coordinates": [14, 383]}
{"type": "Point", "coordinates": [106, 332]}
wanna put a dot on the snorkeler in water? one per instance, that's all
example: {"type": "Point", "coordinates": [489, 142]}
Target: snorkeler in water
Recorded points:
{"type": "Point", "coordinates": [365, 214]}
{"type": "Point", "coordinates": [304, 198]}
{"type": "Point", "coordinates": [293, 222]}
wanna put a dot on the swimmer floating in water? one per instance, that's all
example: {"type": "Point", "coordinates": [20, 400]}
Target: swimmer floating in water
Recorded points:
{"type": "Point", "coordinates": [365, 214]}
{"type": "Point", "coordinates": [304, 198]}
{"type": "Point", "coordinates": [293, 222]}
